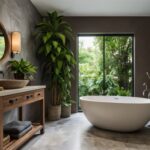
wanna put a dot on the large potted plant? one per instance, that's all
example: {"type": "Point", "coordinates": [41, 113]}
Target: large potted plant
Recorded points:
{"type": "Point", "coordinates": [54, 36]}
{"type": "Point", "coordinates": [22, 69]}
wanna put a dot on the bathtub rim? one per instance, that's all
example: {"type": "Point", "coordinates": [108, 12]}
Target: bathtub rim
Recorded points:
{"type": "Point", "coordinates": [116, 99]}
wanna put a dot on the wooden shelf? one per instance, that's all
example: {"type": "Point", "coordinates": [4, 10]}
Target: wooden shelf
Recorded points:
{"type": "Point", "coordinates": [15, 144]}
{"type": "Point", "coordinates": [18, 100]}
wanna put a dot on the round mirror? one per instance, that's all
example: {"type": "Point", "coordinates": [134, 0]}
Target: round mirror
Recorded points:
{"type": "Point", "coordinates": [4, 43]}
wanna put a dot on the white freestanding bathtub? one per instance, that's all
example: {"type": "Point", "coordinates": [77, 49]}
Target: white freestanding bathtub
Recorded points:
{"type": "Point", "coordinates": [117, 113]}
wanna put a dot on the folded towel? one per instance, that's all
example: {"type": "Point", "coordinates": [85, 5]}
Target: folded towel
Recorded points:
{"type": "Point", "coordinates": [16, 127]}
{"type": "Point", "coordinates": [19, 135]}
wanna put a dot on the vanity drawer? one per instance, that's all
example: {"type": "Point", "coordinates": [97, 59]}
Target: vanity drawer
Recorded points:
{"type": "Point", "coordinates": [39, 94]}
{"type": "Point", "coordinates": [12, 100]}
{"type": "Point", "coordinates": [29, 96]}
{"type": "Point", "coordinates": [33, 96]}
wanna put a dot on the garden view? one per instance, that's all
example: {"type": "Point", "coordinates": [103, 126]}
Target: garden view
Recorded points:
{"type": "Point", "coordinates": [105, 65]}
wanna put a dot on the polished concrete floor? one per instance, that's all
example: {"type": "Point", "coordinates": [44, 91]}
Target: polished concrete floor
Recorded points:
{"type": "Point", "coordinates": [76, 133]}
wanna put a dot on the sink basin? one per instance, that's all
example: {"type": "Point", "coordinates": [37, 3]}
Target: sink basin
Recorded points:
{"type": "Point", "coordinates": [12, 83]}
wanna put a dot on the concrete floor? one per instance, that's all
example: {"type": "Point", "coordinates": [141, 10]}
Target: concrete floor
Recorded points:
{"type": "Point", "coordinates": [76, 133]}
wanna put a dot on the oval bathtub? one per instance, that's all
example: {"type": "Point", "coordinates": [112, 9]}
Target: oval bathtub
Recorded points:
{"type": "Point", "coordinates": [117, 113]}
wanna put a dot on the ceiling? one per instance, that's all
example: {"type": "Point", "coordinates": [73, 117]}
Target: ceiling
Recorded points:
{"type": "Point", "coordinates": [95, 7]}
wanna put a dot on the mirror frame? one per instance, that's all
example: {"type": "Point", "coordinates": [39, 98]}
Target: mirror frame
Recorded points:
{"type": "Point", "coordinates": [7, 43]}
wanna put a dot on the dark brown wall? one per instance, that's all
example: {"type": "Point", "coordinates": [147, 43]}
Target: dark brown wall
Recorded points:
{"type": "Point", "coordinates": [21, 15]}
{"type": "Point", "coordinates": [139, 26]}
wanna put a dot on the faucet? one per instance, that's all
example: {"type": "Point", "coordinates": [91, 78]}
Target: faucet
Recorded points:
{"type": "Point", "coordinates": [2, 73]}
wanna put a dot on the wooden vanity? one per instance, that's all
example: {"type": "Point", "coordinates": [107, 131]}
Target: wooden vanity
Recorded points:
{"type": "Point", "coordinates": [17, 98]}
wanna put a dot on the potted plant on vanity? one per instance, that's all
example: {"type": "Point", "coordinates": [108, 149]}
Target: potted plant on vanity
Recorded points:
{"type": "Point", "coordinates": [54, 35]}
{"type": "Point", "coordinates": [22, 69]}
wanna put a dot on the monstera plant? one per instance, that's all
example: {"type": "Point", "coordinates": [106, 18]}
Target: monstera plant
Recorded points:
{"type": "Point", "coordinates": [54, 35]}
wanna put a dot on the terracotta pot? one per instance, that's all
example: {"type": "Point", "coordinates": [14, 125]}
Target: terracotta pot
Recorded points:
{"type": "Point", "coordinates": [54, 113]}
{"type": "Point", "coordinates": [65, 111]}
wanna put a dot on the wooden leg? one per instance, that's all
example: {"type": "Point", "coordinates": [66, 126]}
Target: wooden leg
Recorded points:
{"type": "Point", "coordinates": [42, 103]}
{"type": "Point", "coordinates": [1, 130]}
{"type": "Point", "coordinates": [20, 113]}
{"type": "Point", "coordinates": [42, 131]}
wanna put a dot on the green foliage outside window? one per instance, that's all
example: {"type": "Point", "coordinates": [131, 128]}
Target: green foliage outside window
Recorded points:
{"type": "Point", "coordinates": [118, 67]}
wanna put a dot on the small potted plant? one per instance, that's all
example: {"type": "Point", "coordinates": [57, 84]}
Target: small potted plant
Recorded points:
{"type": "Point", "coordinates": [22, 69]}
{"type": "Point", "coordinates": [66, 107]}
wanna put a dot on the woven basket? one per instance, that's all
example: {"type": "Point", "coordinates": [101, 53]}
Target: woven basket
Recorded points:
{"type": "Point", "coordinates": [65, 111]}
{"type": "Point", "coordinates": [54, 113]}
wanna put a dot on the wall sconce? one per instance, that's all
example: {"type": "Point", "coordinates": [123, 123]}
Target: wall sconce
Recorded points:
{"type": "Point", "coordinates": [15, 43]}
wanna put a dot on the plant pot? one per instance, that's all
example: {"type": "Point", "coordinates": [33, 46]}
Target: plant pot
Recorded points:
{"type": "Point", "coordinates": [19, 76]}
{"type": "Point", "coordinates": [54, 113]}
{"type": "Point", "coordinates": [65, 111]}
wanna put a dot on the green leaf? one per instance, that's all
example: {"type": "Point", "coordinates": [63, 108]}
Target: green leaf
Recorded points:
{"type": "Point", "coordinates": [62, 37]}
{"type": "Point", "coordinates": [58, 50]}
{"type": "Point", "coordinates": [48, 49]}
{"type": "Point", "coordinates": [59, 63]}
{"type": "Point", "coordinates": [73, 61]}
{"type": "Point", "coordinates": [41, 25]}
{"type": "Point", "coordinates": [68, 57]}
{"type": "Point", "coordinates": [47, 37]}
{"type": "Point", "coordinates": [55, 44]}
{"type": "Point", "coordinates": [53, 58]}
{"type": "Point", "coordinates": [57, 71]}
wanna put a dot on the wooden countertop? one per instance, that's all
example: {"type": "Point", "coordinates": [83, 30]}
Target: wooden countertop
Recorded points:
{"type": "Point", "coordinates": [21, 90]}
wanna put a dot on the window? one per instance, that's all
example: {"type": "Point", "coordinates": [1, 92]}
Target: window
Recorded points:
{"type": "Point", "coordinates": [106, 65]}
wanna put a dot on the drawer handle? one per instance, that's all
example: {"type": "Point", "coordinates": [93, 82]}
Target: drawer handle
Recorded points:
{"type": "Point", "coordinates": [39, 94]}
{"type": "Point", "coordinates": [29, 96]}
{"type": "Point", "coordinates": [12, 101]}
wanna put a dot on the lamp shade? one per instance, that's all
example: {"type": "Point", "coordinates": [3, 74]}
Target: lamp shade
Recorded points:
{"type": "Point", "coordinates": [16, 42]}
